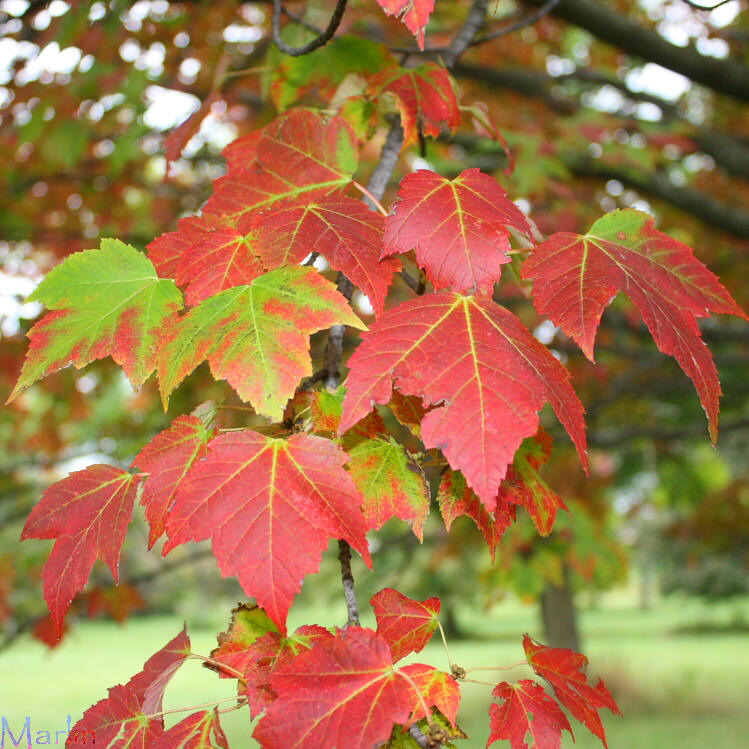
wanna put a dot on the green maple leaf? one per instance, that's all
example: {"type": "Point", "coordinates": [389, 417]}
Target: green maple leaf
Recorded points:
{"type": "Point", "coordinates": [256, 336]}
{"type": "Point", "coordinates": [105, 302]}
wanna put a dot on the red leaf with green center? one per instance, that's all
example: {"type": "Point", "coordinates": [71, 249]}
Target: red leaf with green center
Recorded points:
{"type": "Point", "coordinates": [270, 652]}
{"type": "Point", "coordinates": [344, 230]}
{"type": "Point", "coordinates": [527, 711]}
{"type": "Point", "coordinates": [270, 506]}
{"type": "Point", "coordinates": [106, 302]}
{"type": "Point", "coordinates": [256, 337]}
{"type": "Point", "coordinates": [460, 229]}
{"type": "Point", "coordinates": [167, 458]}
{"type": "Point", "coordinates": [390, 482]}
{"type": "Point", "coordinates": [200, 730]}
{"type": "Point", "coordinates": [424, 96]}
{"type": "Point", "coordinates": [299, 154]}
{"type": "Point", "coordinates": [486, 373]}
{"type": "Point", "coordinates": [456, 498]}
{"type": "Point", "coordinates": [87, 514]}
{"type": "Point", "coordinates": [577, 276]}
{"type": "Point", "coordinates": [414, 13]}
{"type": "Point", "coordinates": [120, 720]}
{"type": "Point", "coordinates": [344, 692]}
{"type": "Point", "coordinates": [565, 670]}
{"type": "Point", "coordinates": [437, 688]}
{"type": "Point", "coordinates": [248, 624]}
{"type": "Point", "coordinates": [524, 486]}
{"type": "Point", "coordinates": [404, 623]}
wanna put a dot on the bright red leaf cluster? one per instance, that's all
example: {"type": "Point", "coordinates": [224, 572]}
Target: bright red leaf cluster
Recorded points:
{"type": "Point", "coordinates": [459, 371]}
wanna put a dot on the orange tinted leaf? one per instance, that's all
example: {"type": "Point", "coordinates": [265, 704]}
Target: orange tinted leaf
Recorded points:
{"type": "Point", "coordinates": [87, 514]}
{"type": "Point", "coordinates": [456, 498]}
{"type": "Point", "coordinates": [480, 366]}
{"type": "Point", "coordinates": [270, 506]}
{"type": "Point", "coordinates": [404, 623]}
{"type": "Point", "coordinates": [527, 712]}
{"type": "Point", "coordinates": [437, 688]}
{"type": "Point", "coordinates": [524, 486]}
{"type": "Point", "coordinates": [565, 670]}
{"type": "Point", "coordinates": [577, 276]}
{"type": "Point", "coordinates": [459, 228]}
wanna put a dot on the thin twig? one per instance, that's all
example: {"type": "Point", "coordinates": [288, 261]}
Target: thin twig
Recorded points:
{"type": "Point", "coordinates": [708, 8]}
{"type": "Point", "coordinates": [344, 556]}
{"type": "Point", "coordinates": [319, 41]}
{"type": "Point", "coordinates": [296, 18]}
{"type": "Point", "coordinates": [521, 24]}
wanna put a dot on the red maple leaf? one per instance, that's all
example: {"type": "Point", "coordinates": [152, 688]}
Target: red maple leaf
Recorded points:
{"type": "Point", "coordinates": [577, 276]}
{"type": "Point", "coordinates": [129, 715]}
{"type": "Point", "coordinates": [167, 458]}
{"type": "Point", "coordinates": [527, 710]}
{"type": "Point", "coordinates": [460, 229]}
{"type": "Point", "coordinates": [240, 153]}
{"type": "Point", "coordinates": [270, 652]}
{"type": "Point", "coordinates": [344, 692]}
{"type": "Point", "coordinates": [343, 230]}
{"type": "Point", "coordinates": [201, 730]}
{"type": "Point", "coordinates": [270, 506]}
{"type": "Point", "coordinates": [404, 623]}
{"type": "Point", "coordinates": [456, 498]}
{"type": "Point", "coordinates": [299, 154]}
{"type": "Point", "coordinates": [87, 513]}
{"type": "Point", "coordinates": [424, 96]}
{"type": "Point", "coordinates": [480, 365]}
{"type": "Point", "coordinates": [437, 689]}
{"type": "Point", "coordinates": [45, 630]}
{"type": "Point", "coordinates": [414, 13]}
{"type": "Point", "coordinates": [564, 669]}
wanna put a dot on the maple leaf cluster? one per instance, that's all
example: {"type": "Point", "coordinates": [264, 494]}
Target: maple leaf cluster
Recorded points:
{"type": "Point", "coordinates": [235, 287]}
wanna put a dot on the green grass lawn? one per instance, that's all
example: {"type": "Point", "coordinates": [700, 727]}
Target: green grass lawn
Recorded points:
{"type": "Point", "coordinates": [677, 691]}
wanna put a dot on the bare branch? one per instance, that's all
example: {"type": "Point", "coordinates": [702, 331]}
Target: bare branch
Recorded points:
{"type": "Point", "coordinates": [521, 24]}
{"type": "Point", "coordinates": [464, 38]}
{"type": "Point", "coordinates": [319, 41]}
{"type": "Point", "coordinates": [344, 557]}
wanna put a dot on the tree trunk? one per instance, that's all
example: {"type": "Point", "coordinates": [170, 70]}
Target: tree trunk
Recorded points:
{"type": "Point", "coordinates": [559, 615]}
